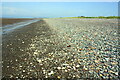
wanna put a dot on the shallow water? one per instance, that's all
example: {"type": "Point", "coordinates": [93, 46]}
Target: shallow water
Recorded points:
{"type": "Point", "coordinates": [9, 28]}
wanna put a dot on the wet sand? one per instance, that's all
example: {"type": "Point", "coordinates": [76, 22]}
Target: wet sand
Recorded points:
{"type": "Point", "coordinates": [8, 21]}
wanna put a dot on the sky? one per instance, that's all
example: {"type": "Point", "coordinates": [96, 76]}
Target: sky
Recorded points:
{"type": "Point", "coordinates": [59, 0]}
{"type": "Point", "coordinates": [58, 9]}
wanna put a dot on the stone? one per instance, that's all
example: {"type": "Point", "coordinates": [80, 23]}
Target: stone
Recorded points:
{"type": "Point", "coordinates": [23, 42]}
{"type": "Point", "coordinates": [23, 70]}
{"type": "Point", "coordinates": [51, 73]}
{"type": "Point", "coordinates": [58, 67]}
{"type": "Point", "coordinates": [78, 66]}
{"type": "Point", "coordinates": [35, 53]}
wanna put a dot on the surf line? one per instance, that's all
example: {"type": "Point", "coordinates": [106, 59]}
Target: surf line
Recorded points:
{"type": "Point", "coordinates": [9, 28]}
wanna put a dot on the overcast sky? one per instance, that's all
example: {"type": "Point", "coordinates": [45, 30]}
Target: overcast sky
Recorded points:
{"type": "Point", "coordinates": [58, 9]}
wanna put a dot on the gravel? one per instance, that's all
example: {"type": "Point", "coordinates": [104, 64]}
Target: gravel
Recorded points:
{"type": "Point", "coordinates": [71, 48]}
{"type": "Point", "coordinates": [90, 45]}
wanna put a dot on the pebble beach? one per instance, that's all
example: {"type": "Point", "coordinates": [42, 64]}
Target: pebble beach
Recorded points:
{"type": "Point", "coordinates": [63, 48]}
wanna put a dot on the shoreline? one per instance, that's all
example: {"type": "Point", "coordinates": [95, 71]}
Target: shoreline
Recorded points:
{"type": "Point", "coordinates": [23, 49]}
{"type": "Point", "coordinates": [10, 21]}
{"type": "Point", "coordinates": [15, 49]}
{"type": "Point", "coordinates": [12, 27]}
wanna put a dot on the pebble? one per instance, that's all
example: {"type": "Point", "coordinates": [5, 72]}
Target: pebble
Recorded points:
{"type": "Point", "coordinates": [96, 61]}
{"type": "Point", "coordinates": [116, 73]}
{"type": "Point", "coordinates": [63, 67]}
{"type": "Point", "coordinates": [8, 66]}
{"type": "Point", "coordinates": [51, 73]}
{"type": "Point", "coordinates": [23, 42]}
{"type": "Point", "coordinates": [85, 68]}
{"type": "Point", "coordinates": [58, 67]}
{"type": "Point", "coordinates": [16, 60]}
{"type": "Point", "coordinates": [20, 66]}
{"type": "Point", "coordinates": [107, 59]}
{"type": "Point", "coordinates": [58, 77]}
{"type": "Point", "coordinates": [39, 60]}
{"type": "Point", "coordinates": [76, 47]}
{"type": "Point", "coordinates": [66, 70]}
{"type": "Point", "coordinates": [35, 53]}
{"type": "Point", "coordinates": [78, 66]}
{"type": "Point", "coordinates": [23, 70]}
